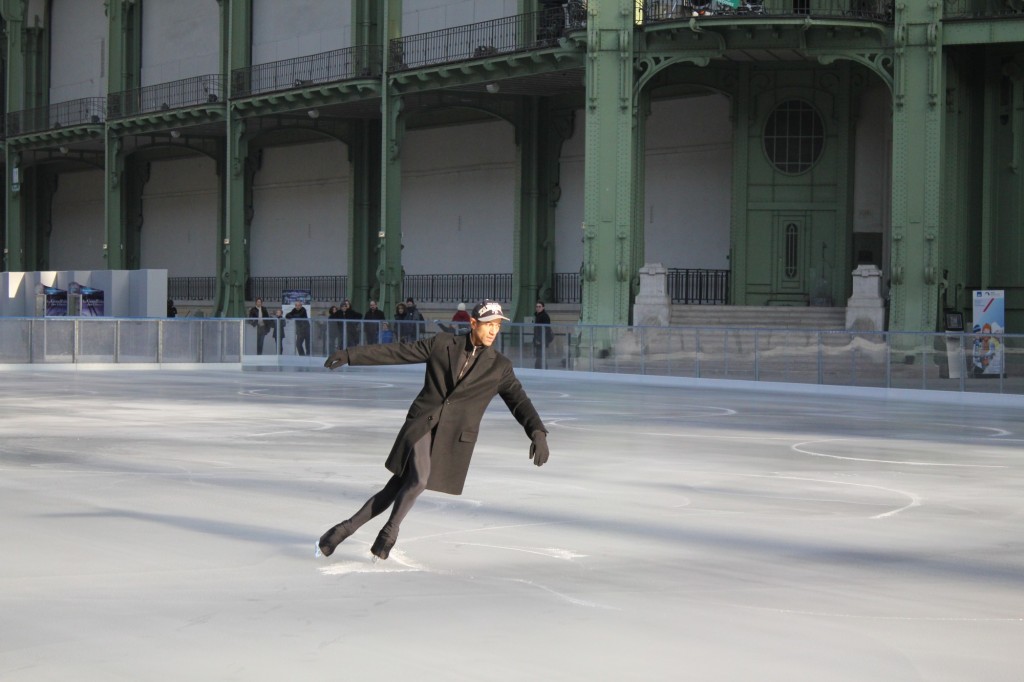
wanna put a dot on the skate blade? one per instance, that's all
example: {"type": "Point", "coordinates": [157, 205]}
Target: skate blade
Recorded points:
{"type": "Point", "coordinates": [318, 554]}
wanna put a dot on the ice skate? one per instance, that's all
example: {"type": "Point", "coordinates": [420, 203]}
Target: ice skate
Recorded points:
{"type": "Point", "coordinates": [332, 538]}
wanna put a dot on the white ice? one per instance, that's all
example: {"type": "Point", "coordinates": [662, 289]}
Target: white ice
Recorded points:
{"type": "Point", "coordinates": [160, 525]}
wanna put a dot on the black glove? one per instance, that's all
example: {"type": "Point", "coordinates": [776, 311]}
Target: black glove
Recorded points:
{"type": "Point", "coordinates": [336, 359]}
{"type": "Point", "coordinates": [539, 448]}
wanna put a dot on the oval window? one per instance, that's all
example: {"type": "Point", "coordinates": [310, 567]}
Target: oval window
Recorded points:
{"type": "Point", "coordinates": [794, 137]}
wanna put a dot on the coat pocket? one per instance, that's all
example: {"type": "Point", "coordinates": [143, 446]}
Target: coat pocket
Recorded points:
{"type": "Point", "coordinates": [467, 437]}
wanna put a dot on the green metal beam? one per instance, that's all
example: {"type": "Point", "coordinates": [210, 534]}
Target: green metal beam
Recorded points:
{"type": "Point", "coordinates": [608, 224]}
{"type": "Point", "coordinates": [364, 211]}
{"type": "Point", "coordinates": [389, 266]}
{"type": "Point", "coordinates": [919, 106]}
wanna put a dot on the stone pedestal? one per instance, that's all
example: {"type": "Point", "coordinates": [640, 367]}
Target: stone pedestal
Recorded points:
{"type": "Point", "coordinates": [865, 310]}
{"type": "Point", "coordinates": [653, 306]}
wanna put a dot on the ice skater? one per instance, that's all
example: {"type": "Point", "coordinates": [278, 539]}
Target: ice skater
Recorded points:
{"type": "Point", "coordinates": [434, 446]}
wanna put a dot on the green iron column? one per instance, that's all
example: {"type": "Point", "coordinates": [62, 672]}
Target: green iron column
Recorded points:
{"type": "Point", "coordinates": [123, 74]}
{"type": "Point", "coordinates": [540, 134]}
{"type": "Point", "coordinates": [608, 220]}
{"type": "Point", "coordinates": [14, 236]}
{"type": "Point", "coordinates": [918, 106]}
{"type": "Point", "coordinates": [389, 236]}
{"type": "Point", "coordinates": [236, 178]}
{"type": "Point", "coordinates": [364, 211]}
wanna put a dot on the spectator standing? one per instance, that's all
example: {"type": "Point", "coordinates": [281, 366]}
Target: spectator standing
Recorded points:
{"type": "Point", "coordinates": [352, 325]}
{"type": "Point", "coordinates": [372, 325]}
{"type": "Point", "coordinates": [412, 313]}
{"type": "Point", "coordinates": [334, 324]}
{"type": "Point", "coordinates": [301, 317]}
{"type": "Point", "coordinates": [542, 335]}
{"type": "Point", "coordinates": [403, 328]}
{"type": "Point", "coordinates": [278, 330]}
{"type": "Point", "coordinates": [259, 317]}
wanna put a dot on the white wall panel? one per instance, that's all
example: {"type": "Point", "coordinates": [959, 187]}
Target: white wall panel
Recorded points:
{"type": "Point", "coordinates": [688, 186]}
{"type": "Point", "coordinates": [76, 242]}
{"type": "Point", "coordinates": [458, 199]}
{"type": "Point", "coordinates": [688, 183]}
{"type": "Point", "coordinates": [180, 205]}
{"type": "Point", "coordinates": [78, 50]}
{"type": "Point", "coordinates": [300, 199]}
{"type": "Point", "coordinates": [298, 28]}
{"type": "Point", "coordinates": [420, 16]}
{"type": "Point", "coordinates": [180, 39]}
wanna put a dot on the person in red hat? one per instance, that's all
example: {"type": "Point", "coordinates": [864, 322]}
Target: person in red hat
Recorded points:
{"type": "Point", "coordinates": [434, 446]}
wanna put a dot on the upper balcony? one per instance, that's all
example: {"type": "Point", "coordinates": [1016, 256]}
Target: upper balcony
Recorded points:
{"type": "Point", "coordinates": [195, 100]}
{"type": "Point", "coordinates": [67, 117]}
{"type": "Point", "coordinates": [348, 75]}
{"type": "Point", "coordinates": [653, 11]}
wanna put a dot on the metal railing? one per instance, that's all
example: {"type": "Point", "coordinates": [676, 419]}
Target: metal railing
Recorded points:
{"type": "Point", "coordinates": [893, 360]}
{"type": "Point", "coordinates": [323, 288]}
{"type": "Point", "coordinates": [363, 61]}
{"type": "Point", "coordinates": [507, 35]}
{"type": "Point", "coordinates": [180, 94]}
{"type": "Point", "coordinates": [983, 9]}
{"type": "Point", "coordinates": [84, 111]}
{"type": "Point", "coordinates": [697, 286]}
{"type": "Point", "coordinates": [685, 285]}
{"type": "Point", "coordinates": [674, 10]}
{"type": "Point", "coordinates": [454, 288]}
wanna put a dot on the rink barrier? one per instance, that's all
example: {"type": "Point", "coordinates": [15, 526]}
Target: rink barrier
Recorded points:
{"type": "Point", "coordinates": [892, 360]}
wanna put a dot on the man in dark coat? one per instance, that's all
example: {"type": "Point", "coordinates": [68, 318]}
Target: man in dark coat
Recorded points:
{"type": "Point", "coordinates": [434, 446]}
{"type": "Point", "coordinates": [373, 327]}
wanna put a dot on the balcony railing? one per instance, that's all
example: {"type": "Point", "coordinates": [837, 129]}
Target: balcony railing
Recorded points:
{"type": "Point", "coordinates": [983, 9]}
{"type": "Point", "coordinates": [86, 110]}
{"type": "Point", "coordinates": [700, 287]}
{"type": "Point", "coordinates": [507, 35]}
{"type": "Point", "coordinates": [675, 10]}
{"type": "Point", "coordinates": [180, 94]}
{"type": "Point", "coordinates": [363, 61]}
{"type": "Point", "coordinates": [685, 285]}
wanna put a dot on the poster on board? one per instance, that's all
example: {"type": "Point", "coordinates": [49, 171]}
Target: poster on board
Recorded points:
{"type": "Point", "coordinates": [988, 327]}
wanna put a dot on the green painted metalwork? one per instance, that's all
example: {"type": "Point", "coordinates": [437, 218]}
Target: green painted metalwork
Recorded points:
{"type": "Point", "coordinates": [919, 106]}
{"type": "Point", "coordinates": [364, 211]}
{"type": "Point", "coordinates": [609, 111]}
{"type": "Point", "coordinates": [389, 242]}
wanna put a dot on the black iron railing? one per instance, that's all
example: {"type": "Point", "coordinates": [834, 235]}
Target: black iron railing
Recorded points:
{"type": "Point", "coordinates": [566, 288]}
{"type": "Point", "coordinates": [326, 288]}
{"type": "Point", "coordinates": [363, 61]}
{"type": "Point", "coordinates": [685, 285]}
{"type": "Point", "coordinates": [74, 112]}
{"type": "Point", "coordinates": [675, 10]}
{"type": "Point", "coordinates": [696, 286]}
{"type": "Point", "coordinates": [507, 35]}
{"type": "Point", "coordinates": [983, 9]}
{"type": "Point", "coordinates": [191, 288]}
{"type": "Point", "coordinates": [180, 94]}
{"type": "Point", "coordinates": [455, 288]}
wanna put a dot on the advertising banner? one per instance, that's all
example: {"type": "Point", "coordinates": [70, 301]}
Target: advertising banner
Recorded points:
{"type": "Point", "coordinates": [51, 301]}
{"type": "Point", "coordinates": [988, 326]}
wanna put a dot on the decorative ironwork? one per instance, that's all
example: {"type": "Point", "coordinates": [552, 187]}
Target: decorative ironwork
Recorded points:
{"type": "Point", "coordinates": [697, 286]}
{"type": "Point", "coordinates": [443, 288]}
{"type": "Point", "coordinates": [676, 10]}
{"type": "Point", "coordinates": [507, 35]}
{"type": "Point", "coordinates": [983, 9]}
{"type": "Point", "coordinates": [180, 94]}
{"type": "Point", "coordinates": [363, 61]}
{"type": "Point", "coordinates": [76, 112]}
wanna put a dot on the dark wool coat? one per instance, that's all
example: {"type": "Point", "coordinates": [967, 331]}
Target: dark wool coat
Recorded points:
{"type": "Point", "coordinates": [454, 410]}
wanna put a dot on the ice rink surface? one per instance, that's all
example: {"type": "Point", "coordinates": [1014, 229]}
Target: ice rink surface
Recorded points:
{"type": "Point", "coordinates": [160, 525]}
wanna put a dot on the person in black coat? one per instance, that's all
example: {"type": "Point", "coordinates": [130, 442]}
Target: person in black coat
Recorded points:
{"type": "Point", "coordinates": [301, 317]}
{"type": "Point", "coordinates": [373, 319]}
{"type": "Point", "coordinates": [259, 317]}
{"type": "Point", "coordinates": [434, 446]}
